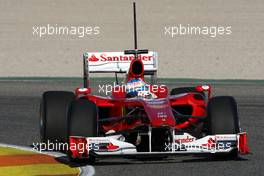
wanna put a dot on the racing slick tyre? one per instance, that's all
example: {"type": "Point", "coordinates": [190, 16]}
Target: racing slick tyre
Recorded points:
{"type": "Point", "coordinates": [53, 116]}
{"type": "Point", "coordinates": [223, 116]}
{"type": "Point", "coordinates": [181, 90]}
{"type": "Point", "coordinates": [82, 121]}
{"type": "Point", "coordinates": [223, 119]}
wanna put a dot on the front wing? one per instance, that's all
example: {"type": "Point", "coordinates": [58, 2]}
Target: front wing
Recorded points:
{"type": "Point", "coordinates": [82, 147]}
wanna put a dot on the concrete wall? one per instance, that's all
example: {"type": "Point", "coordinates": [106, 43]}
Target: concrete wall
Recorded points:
{"type": "Point", "coordinates": [235, 56]}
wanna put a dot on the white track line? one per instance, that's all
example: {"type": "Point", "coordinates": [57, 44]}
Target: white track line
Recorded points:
{"type": "Point", "coordinates": [84, 170]}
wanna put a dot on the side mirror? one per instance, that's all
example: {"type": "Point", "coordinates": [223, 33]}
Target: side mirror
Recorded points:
{"type": "Point", "coordinates": [204, 88]}
{"type": "Point", "coordinates": [82, 91]}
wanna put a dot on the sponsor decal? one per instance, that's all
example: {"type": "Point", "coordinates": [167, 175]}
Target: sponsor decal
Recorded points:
{"type": "Point", "coordinates": [186, 139]}
{"type": "Point", "coordinates": [210, 144]}
{"type": "Point", "coordinates": [107, 58]}
{"type": "Point", "coordinates": [156, 102]}
{"type": "Point", "coordinates": [98, 140]}
{"type": "Point", "coordinates": [93, 58]}
{"type": "Point", "coordinates": [225, 138]}
{"type": "Point", "coordinates": [159, 106]}
{"type": "Point", "coordinates": [162, 115]}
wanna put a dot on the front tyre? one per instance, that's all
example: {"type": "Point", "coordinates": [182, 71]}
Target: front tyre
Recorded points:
{"type": "Point", "coordinates": [223, 119]}
{"type": "Point", "coordinates": [53, 116]}
{"type": "Point", "coordinates": [82, 122]}
{"type": "Point", "coordinates": [223, 115]}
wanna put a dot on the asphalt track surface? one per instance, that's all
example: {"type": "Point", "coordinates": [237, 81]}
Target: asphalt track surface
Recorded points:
{"type": "Point", "coordinates": [19, 103]}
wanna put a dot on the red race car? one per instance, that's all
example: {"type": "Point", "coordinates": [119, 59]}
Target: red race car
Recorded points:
{"type": "Point", "coordinates": [139, 119]}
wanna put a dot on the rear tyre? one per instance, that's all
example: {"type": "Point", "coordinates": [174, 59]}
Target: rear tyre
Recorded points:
{"type": "Point", "coordinates": [223, 119]}
{"type": "Point", "coordinates": [82, 122]}
{"type": "Point", "coordinates": [53, 116]}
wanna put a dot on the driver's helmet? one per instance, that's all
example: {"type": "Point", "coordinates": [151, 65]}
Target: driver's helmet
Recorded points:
{"type": "Point", "coordinates": [138, 88]}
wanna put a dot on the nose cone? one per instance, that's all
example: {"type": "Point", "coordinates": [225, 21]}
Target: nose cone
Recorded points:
{"type": "Point", "coordinates": [159, 112]}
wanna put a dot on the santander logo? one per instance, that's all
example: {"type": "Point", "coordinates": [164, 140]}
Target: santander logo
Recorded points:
{"type": "Point", "coordinates": [93, 58]}
{"type": "Point", "coordinates": [210, 143]}
{"type": "Point", "coordinates": [185, 140]}
{"type": "Point", "coordinates": [113, 58]}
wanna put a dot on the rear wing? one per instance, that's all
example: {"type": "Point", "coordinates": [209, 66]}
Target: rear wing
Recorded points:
{"type": "Point", "coordinates": [117, 62]}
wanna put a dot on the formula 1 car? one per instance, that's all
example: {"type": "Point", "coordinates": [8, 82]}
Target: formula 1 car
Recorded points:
{"type": "Point", "coordinates": [139, 119]}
